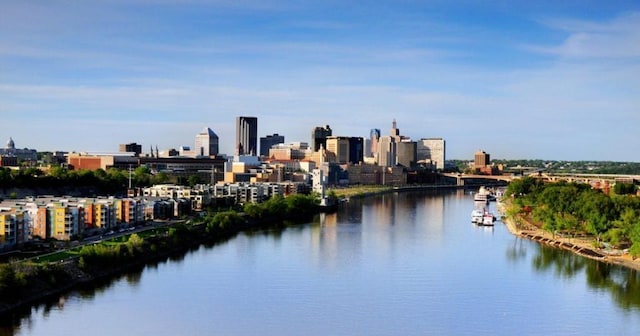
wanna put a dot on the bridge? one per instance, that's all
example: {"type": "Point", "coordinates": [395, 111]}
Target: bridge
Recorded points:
{"type": "Point", "coordinates": [592, 179]}
{"type": "Point", "coordinates": [473, 179]}
{"type": "Point", "coordinates": [585, 177]}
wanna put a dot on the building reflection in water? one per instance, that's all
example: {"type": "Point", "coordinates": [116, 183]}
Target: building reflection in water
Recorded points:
{"type": "Point", "coordinates": [337, 239]}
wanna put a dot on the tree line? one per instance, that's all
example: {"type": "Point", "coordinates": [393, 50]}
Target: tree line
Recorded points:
{"type": "Point", "coordinates": [112, 180]}
{"type": "Point", "coordinates": [578, 209]}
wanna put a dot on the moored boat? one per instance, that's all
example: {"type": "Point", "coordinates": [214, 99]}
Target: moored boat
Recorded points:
{"type": "Point", "coordinates": [488, 218]}
{"type": "Point", "coordinates": [477, 216]}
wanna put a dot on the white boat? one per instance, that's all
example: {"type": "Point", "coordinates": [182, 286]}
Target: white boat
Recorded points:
{"type": "Point", "coordinates": [488, 218]}
{"type": "Point", "coordinates": [477, 216]}
{"type": "Point", "coordinates": [486, 195]}
{"type": "Point", "coordinates": [480, 216]}
{"type": "Point", "coordinates": [478, 197]}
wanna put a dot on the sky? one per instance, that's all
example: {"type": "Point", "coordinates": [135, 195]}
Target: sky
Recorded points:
{"type": "Point", "coordinates": [555, 80]}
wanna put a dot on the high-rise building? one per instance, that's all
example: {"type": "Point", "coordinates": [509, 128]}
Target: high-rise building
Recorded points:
{"type": "Point", "coordinates": [267, 142]}
{"type": "Point", "coordinates": [246, 135]}
{"type": "Point", "coordinates": [346, 149]}
{"type": "Point", "coordinates": [432, 150]}
{"type": "Point", "coordinates": [338, 146]}
{"type": "Point", "coordinates": [131, 148]}
{"type": "Point", "coordinates": [386, 151]}
{"type": "Point", "coordinates": [481, 159]}
{"type": "Point", "coordinates": [374, 135]}
{"type": "Point", "coordinates": [406, 152]}
{"type": "Point", "coordinates": [356, 149]}
{"type": "Point", "coordinates": [319, 137]}
{"type": "Point", "coordinates": [206, 143]}
{"type": "Point", "coordinates": [395, 132]}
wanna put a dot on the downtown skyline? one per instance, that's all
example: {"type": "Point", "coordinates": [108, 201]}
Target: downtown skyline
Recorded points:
{"type": "Point", "coordinates": [520, 80]}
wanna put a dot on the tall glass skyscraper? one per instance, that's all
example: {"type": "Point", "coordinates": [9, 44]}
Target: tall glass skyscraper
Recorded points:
{"type": "Point", "coordinates": [246, 136]}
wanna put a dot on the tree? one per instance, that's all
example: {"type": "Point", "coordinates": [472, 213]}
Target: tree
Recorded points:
{"type": "Point", "coordinates": [624, 188]}
{"type": "Point", "coordinates": [135, 244]}
{"type": "Point", "coordinates": [622, 230]}
{"type": "Point", "coordinates": [59, 172]}
{"type": "Point", "coordinates": [159, 178]}
{"type": "Point", "coordinates": [634, 250]}
{"type": "Point", "coordinates": [193, 180]}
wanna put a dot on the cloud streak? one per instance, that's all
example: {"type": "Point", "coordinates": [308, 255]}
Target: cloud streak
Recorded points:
{"type": "Point", "coordinates": [169, 75]}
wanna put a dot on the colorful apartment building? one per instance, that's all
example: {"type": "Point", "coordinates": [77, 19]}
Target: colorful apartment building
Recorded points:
{"type": "Point", "coordinates": [12, 228]}
{"type": "Point", "coordinates": [65, 220]}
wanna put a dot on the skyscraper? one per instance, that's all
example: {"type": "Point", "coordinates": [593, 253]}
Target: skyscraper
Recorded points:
{"type": "Point", "coordinates": [406, 153]}
{"type": "Point", "coordinates": [432, 150]}
{"type": "Point", "coordinates": [374, 134]}
{"type": "Point", "coordinates": [481, 159]}
{"type": "Point", "coordinates": [386, 151]}
{"type": "Point", "coordinates": [246, 135]}
{"type": "Point", "coordinates": [131, 148]}
{"type": "Point", "coordinates": [319, 137]}
{"type": "Point", "coordinates": [206, 143]}
{"type": "Point", "coordinates": [267, 142]}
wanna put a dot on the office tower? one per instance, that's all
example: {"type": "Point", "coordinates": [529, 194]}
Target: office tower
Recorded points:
{"type": "Point", "coordinates": [432, 150]}
{"type": "Point", "coordinates": [206, 143]}
{"type": "Point", "coordinates": [338, 146]}
{"type": "Point", "coordinates": [319, 137]}
{"type": "Point", "coordinates": [395, 132]}
{"type": "Point", "coordinates": [374, 135]}
{"type": "Point", "coordinates": [346, 149]}
{"type": "Point", "coordinates": [386, 151]}
{"type": "Point", "coordinates": [356, 149]}
{"type": "Point", "coordinates": [246, 135]}
{"type": "Point", "coordinates": [481, 159]}
{"type": "Point", "coordinates": [267, 142]}
{"type": "Point", "coordinates": [406, 152]}
{"type": "Point", "coordinates": [131, 148]}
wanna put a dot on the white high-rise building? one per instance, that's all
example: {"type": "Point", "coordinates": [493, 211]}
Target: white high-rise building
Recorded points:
{"type": "Point", "coordinates": [206, 143]}
{"type": "Point", "coordinates": [432, 150]}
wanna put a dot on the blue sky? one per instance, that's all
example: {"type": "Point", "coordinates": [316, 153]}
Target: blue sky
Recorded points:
{"type": "Point", "coordinates": [518, 79]}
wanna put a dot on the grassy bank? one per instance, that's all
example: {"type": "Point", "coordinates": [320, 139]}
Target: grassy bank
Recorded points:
{"type": "Point", "coordinates": [360, 191]}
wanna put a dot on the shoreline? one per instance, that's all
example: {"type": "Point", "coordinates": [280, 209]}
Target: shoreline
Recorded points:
{"type": "Point", "coordinates": [580, 246]}
{"type": "Point", "coordinates": [76, 276]}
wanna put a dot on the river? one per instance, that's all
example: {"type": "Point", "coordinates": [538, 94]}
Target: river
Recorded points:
{"type": "Point", "coordinates": [395, 264]}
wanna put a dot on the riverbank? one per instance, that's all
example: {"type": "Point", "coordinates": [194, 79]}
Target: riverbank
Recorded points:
{"type": "Point", "coordinates": [364, 191]}
{"type": "Point", "coordinates": [360, 191]}
{"type": "Point", "coordinates": [26, 283]}
{"type": "Point", "coordinates": [521, 227]}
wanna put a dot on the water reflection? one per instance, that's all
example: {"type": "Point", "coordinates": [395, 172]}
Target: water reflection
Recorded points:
{"type": "Point", "coordinates": [336, 245]}
{"type": "Point", "coordinates": [22, 319]}
{"type": "Point", "coordinates": [517, 250]}
{"type": "Point", "coordinates": [622, 283]}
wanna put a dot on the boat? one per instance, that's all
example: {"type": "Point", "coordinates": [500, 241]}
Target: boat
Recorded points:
{"type": "Point", "coordinates": [485, 194]}
{"type": "Point", "coordinates": [478, 197]}
{"type": "Point", "coordinates": [480, 216]}
{"type": "Point", "coordinates": [488, 218]}
{"type": "Point", "coordinates": [477, 216]}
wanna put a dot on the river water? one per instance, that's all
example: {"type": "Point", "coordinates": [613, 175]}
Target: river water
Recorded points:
{"type": "Point", "coordinates": [395, 264]}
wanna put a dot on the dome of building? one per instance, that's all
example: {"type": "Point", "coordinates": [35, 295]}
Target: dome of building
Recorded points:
{"type": "Point", "coordinates": [11, 144]}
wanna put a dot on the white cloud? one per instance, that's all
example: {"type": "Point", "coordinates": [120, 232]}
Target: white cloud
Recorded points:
{"type": "Point", "coordinates": [619, 38]}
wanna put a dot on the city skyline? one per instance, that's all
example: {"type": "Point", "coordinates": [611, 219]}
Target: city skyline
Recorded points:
{"type": "Point", "coordinates": [540, 80]}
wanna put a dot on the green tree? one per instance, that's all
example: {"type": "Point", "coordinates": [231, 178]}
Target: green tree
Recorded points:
{"type": "Point", "coordinates": [193, 180]}
{"type": "Point", "coordinates": [253, 210]}
{"type": "Point", "coordinates": [135, 244]}
{"type": "Point", "coordinates": [159, 178]}
{"type": "Point", "coordinates": [634, 250]}
{"type": "Point", "coordinates": [624, 188]}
